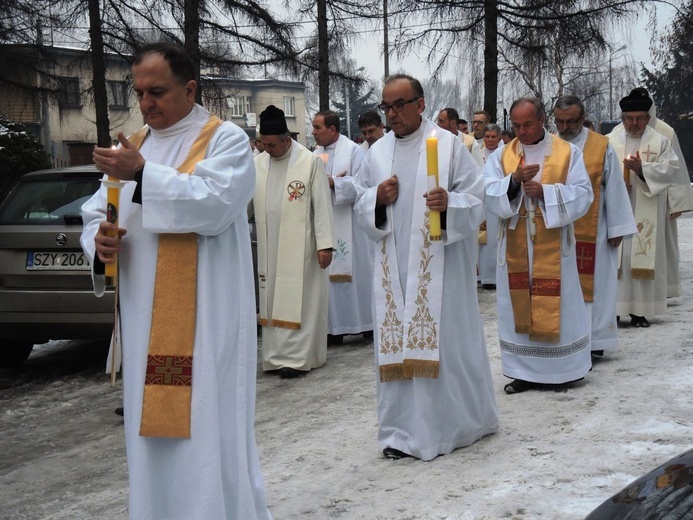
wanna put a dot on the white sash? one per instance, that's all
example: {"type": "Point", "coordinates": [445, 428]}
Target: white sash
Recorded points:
{"type": "Point", "coordinates": [296, 207]}
{"type": "Point", "coordinates": [340, 269]}
{"type": "Point", "coordinates": [409, 333]}
{"type": "Point", "coordinates": [644, 241]}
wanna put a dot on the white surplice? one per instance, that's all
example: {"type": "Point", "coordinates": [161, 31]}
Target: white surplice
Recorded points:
{"type": "Point", "coordinates": [646, 297]}
{"type": "Point", "coordinates": [615, 220]}
{"type": "Point", "coordinates": [350, 302]}
{"type": "Point", "coordinates": [429, 417]}
{"type": "Point", "coordinates": [216, 472]}
{"type": "Point", "coordinates": [488, 252]}
{"type": "Point", "coordinates": [305, 348]}
{"type": "Point", "coordinates": [521, 357]}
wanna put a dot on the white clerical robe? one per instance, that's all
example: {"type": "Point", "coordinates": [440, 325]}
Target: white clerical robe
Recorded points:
{"type": "Point", "coordinates": [521, 357]}
{"type": "Point", "coordinates": [350, 302]}
{"type": "Point", "coordinates": [216, 472]}
{"type": "Point", "coordinates": [637, 296]}
{"type": "Point", "coordinates": [305, 348]}
{"type": "Point", "coordinates": [615, 220]}
{"type": "Point", "coordinates": [429, 417]}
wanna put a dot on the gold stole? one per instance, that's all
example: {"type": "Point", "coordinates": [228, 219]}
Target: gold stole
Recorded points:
{"type": "Point", "coordinates": [586, 226]}
{"type": "Point", "coordinates": [536, 308]}
{"type": "Point", "coordinates": [168, 382]}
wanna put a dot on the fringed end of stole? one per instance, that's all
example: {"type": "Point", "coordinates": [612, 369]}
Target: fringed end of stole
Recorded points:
{"type": "Point", "coordinates": [392, 372]}
{"type": "Point", "coordinates": [421, 368]}
{"type": "Point", "coordinates": [545, 337]}
{"type": "Point", "coordinates": [340, 278]}
{"type": "Point", "coordinates": [642, 274]}
{"type": "Point", "coordinates": [293, 325]}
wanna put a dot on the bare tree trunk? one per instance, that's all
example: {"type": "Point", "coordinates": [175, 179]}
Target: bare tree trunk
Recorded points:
{"type": "Point", "coordinates": [191, 32]}
{"type": "Point", "coordinates": [98, 64]}
{"type": "Point", "coordinates": [491, 57]}
{"type": "Point", "coordinates": [323, 58]}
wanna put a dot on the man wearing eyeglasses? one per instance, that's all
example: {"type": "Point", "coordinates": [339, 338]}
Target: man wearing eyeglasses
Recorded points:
{"type": "Point", "coordinates": [679, 199]}
{"type": "Point", "coordinates": [599, 233]}
{"type": "Point", "coordinates": [350, 271]}
{"type": "Point", "coordinates": [650, 166]}
{"type": "Point", "coordinates": [479, 122]}
{"type": "Point", "coordinates": [429, 342]}
{"type": "Point", "coordinates": [371, 127]}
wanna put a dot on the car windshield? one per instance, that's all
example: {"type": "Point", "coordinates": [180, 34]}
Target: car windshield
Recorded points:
{"type": "Point", "coordinates": [47, 202]}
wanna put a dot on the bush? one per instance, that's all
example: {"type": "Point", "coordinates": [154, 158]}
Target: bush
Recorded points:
{"type": "Point", "coordinates": [20, 153]}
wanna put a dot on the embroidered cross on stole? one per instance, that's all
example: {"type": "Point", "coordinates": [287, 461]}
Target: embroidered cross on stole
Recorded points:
{"type": "Point", "coordinates": [168, 382]}
{"type": "Point", "coordinates": [536, 301]}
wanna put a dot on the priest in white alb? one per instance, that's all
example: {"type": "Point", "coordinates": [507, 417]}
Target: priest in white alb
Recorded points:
{"type": "Point", "coordinates": [186, 299]}
{"type": "Point", "coordinates": [650, 167]}
{"type": "Point", "coordinates": [538, 186]}
{"type": "Point", "coordinates": [293, 215]}
{"type": "Point", "coordinates": [433, 379]}
{"type": "Point", "coordinates": [351, 268]}
{"type": "Point", "coordinates": [599, 233]}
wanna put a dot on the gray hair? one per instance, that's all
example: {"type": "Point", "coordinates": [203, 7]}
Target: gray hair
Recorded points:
{"type": "Point", "coordinates": [538, 105]}
{"type": "Point", "coordinates": [567, 101]}
{"type": "Point", "coordinates": [493, 127]}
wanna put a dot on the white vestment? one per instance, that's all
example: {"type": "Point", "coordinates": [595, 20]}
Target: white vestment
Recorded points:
{"type": "Point", "coordinates": [615, 220]}
{"type": "Point", "coordinates": [679, 199]}
{"type": "Point", "coordinates": [216, 472]}
{"type": "Point", "coordinates": [428, 417]}
{"type": "Point", "coordinates": [305, 348]}
{"type": "Point", "coordinates": [637, 296]}
{"type": "Point", "coordinates": [488, 252]}
{"type": "Point", "coordinates": [521, 357]}
{"type": "Point", "coordinates": [350, 302]}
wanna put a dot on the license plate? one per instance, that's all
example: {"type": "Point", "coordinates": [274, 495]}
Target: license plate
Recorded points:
{"type": "Point", "coordinates": [57, 261]}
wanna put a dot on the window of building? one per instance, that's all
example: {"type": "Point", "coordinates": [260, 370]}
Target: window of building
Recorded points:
{"type": "Point", "coordinates": [289, 106]}
{"type": "Point", "coordinates": [69, 92]}
{"type": "Point", "coordinates": [117, 94]}
{"type": "Point", "coordinates": [239, 105]}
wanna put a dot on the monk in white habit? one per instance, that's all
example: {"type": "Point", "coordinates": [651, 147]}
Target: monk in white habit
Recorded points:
{"type": "Point", "coordinates": [186, 299]}
{"type": "Point", "coordinates": [433, 380]}
{"type": "Point", "coordinates": [599, 233]}
{"type": "Point", "coordinates": [351, 268]}
{"type": "Point", "coordinates": [293, 215]}
{"type": "Point", "coordinates": [650, 166]}
{"type": "Point", "coordinates": [538, 186]}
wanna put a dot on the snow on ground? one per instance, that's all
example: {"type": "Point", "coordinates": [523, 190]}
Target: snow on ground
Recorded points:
{"type": "Point", "coordinates": [557, 455]}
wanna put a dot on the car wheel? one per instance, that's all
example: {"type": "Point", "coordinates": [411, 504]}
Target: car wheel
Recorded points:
{"type": "Point", "coordinates": [14, 353]}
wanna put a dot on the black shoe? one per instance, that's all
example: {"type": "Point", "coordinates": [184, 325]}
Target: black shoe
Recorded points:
{"type": "Point", "coordinates": [639, 321]}
{"type": "Point", "coordinates": [394, 454]}
{"type": "Point", "coordinates": [489, 286]}
{"type": "Point", "coordinates": [597, 353]}
{"type": "Point", "coordinates": [289, 373]}
{"type": "Point", "coordinates": [119, 411]}
{"type": "Point", "coordinates": [368, 334]}
{"type": "Point", "coordinates": [518, 386]}
{"type": "Point", "coordinates": [335, 339]}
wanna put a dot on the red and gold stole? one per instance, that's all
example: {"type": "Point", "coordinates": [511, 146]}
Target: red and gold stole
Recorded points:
{"type": "Point", "coordinates": [536, 305]}
{"type": "Point", "coordinates": [168, 382]}
{"type": "Point", "coordinates": [586, 226]}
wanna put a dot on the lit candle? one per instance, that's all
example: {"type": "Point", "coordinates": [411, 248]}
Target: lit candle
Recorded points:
{"type": "Point", "coordinates": [434, 230]}
{"type": "Point", "coordinates": [113, 186]}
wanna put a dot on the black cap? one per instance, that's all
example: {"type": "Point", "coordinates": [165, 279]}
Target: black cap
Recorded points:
{"type": "Point", "coordinates": [638, 100]}
{"type": "Point", "coordinates": [272, 121]}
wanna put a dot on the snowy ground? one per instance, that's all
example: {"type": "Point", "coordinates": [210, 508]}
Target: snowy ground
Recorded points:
{"type": "Point", "coordinates": [557, 455]}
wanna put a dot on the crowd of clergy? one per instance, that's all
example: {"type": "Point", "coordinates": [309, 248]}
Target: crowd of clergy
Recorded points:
{"type": "Point", "coordinates": [391, 239]}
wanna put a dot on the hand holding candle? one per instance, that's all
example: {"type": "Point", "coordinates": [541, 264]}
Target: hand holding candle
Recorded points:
{"type": "Point", "coordinates": [434, 231]}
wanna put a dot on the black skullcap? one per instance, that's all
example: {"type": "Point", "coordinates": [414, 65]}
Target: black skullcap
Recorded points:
{"type": "Point", "coordinates": [638, 100]}
{"type": "Point", "coordinates": [272, 121]}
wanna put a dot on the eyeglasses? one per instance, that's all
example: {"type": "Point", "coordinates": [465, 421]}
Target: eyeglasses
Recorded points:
{"type": "Point", "coordinates": [569, 122]}
{"type": "Point", "coordinates": [631, 119]}
{"type": "Point", "coordinates": [397, 106]}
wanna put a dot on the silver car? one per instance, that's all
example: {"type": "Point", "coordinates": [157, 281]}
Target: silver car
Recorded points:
{"type": "Point", "coordinates": [45, 283]}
